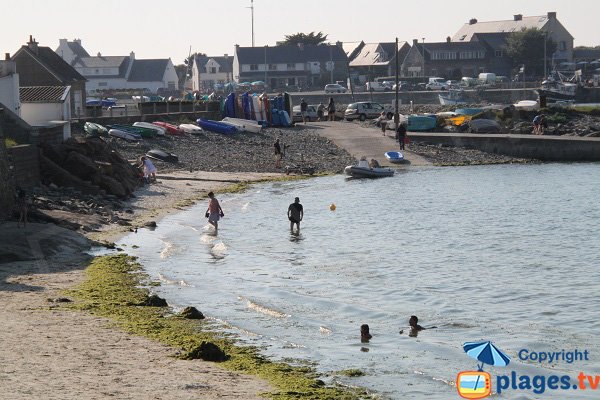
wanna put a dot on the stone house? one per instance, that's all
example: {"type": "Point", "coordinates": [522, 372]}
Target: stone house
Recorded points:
{"type": "Point", "coordinates": [285, 65]}
{"type": "Point", "coordinates": [371, 60]}
{"type": "Point", "coordinates": [546, 23]}
{"type": "Point", "coordinates": [210, 70]}
{"type": "Point", "coordinates": [450, 60]}
{"type": "Point", "coordinates": [41, 66]}
{"type": "Point", "coordinates": [105, 73]}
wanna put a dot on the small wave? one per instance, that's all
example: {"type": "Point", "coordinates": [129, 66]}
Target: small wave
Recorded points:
{"type": "Point", "coordinates": [292, 345]}
{"type": "Point", "coordinates": [167, 250]}
{"type": "Point", "coordinates": [245, 206]}
{"type": "Point", "coordinates": [169, 281]}
{"type": "Point", "coordinates": [263, 309]}
{"type": "Point", "coordinates": [218, 250]}
{"type": "Point", "coordinates": [207, 238]}
{"type": "Point", "coordinates": [325, 331]}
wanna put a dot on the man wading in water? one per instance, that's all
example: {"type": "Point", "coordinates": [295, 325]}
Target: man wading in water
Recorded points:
{"type": "Point", "coordinates": [295, 214]}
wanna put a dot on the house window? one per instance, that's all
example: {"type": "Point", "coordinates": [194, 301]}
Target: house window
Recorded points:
{"type": "Point", "coordinates": [291, 67]}
{"type": "Point", "coordinates": [253, 67]}
{"type": "Point", "coordinates": [443, 55]}
{"type": "Point", "coordinates": [498, 53]}
{"type": "Point", "coordinates": [102, 84]}
{"type": "Point", "coordinates": [272, 67]}
{"type": "Point", "coordinates": [213, 70]}
{"type": "Point", "coordinates": [562, 46]}
{"type": "Point", "coordinates": [96, 71]}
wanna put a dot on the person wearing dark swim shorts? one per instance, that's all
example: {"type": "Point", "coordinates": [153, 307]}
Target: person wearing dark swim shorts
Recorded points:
{"type": "Point", "coordinates": [295, 214]}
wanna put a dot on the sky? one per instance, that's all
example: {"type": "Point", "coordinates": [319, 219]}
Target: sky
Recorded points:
{"type": "Point", "coordinates": [168, 29]}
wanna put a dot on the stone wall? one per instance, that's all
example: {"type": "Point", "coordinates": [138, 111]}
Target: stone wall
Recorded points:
{"type": "Point", "coordinates": [6, 183]}
{"type": "Point", "coordinates": [25, 165]}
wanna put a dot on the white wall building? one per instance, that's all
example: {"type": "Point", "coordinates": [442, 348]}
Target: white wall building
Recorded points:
{"type": "Point", "coordinates": [9, 86]}
{"type": "Point", "coordinates": [208, 71]}
{"type": "Point", "coordinates": [47, 107]}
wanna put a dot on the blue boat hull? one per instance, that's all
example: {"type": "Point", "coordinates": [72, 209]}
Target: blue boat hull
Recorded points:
{"type": "Point", "coordinates": [394, 156]}
{"type": "Point", "coordinates": [421, 123]}
{"type": "Point", "coordinates": [215, 126]}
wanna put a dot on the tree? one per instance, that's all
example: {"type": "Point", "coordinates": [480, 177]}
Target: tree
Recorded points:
{"type": "Point", "coordinates": [526, 47]}
{"type": "Point", "coordinates": [303, 38]}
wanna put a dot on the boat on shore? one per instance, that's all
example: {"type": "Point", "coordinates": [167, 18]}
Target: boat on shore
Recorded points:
{"type": "Point", "coordinates": [527, 105]}
{"type": "Point", "coordinates": [143, 132]}
{"type": "Point", "coordinates": [159, 130]}
{"type": "Point", "coordinates": [243, 124]}
{"type": "Point", "coordinates": [190, 128]}
{"type": "Point", "coordinates": [161, 155]}
{"type": "Point", "coordinates": [217, 126]}
{"type": "Point", "coordinates": [170, 129]}
{"type": "Point", "coordinates": [419, 123]}
{"type": "Point", "coordinates": [453, 96]}
{"type": "Point", "coordinates": [93, 129]}
{"type": "Point", "coordinates": [363, 170]}
{"type": "Point", "coordinates": [394, 157]}
{"type": "Point", "coordinates": [127, 136]}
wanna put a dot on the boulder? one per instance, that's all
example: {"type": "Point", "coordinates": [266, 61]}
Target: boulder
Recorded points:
{"type": "Point", "coordinates": [80, 165]}
{"type": "Point", "coordinates": [111, 185]}
{"type": "Point", "coordinates": [154, 301]}
{"type": "Point", "coordinates": [191, 313]}
{"type": "Point", "coordinates": [207, 351]}
{"type": "Point", "coordinates": [54, 173]}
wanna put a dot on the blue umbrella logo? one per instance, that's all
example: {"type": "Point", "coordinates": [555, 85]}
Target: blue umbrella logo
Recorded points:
{"type": "Point", "coordinates": [487, 353]}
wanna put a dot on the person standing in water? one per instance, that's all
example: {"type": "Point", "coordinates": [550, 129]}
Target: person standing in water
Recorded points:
{"type": "Point", "coordinates": [214, 211]}
{"type": "Point", "coordinates": [295, 214]}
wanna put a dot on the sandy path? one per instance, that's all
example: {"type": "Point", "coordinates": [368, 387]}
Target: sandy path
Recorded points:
{"type": "Point", "coordinates": [51, 353]}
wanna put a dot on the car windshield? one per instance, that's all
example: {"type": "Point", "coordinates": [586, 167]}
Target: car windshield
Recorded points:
{"type": "Point", "coordinates": [377, 106]}
{"type": "Point", "coordinates": [352, 106]}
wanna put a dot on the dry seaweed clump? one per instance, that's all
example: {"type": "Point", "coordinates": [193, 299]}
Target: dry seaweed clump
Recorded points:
{"type": "Point", "coordinates": [115, 288]}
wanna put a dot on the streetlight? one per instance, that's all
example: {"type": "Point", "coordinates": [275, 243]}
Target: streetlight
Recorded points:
{"type": "Point", "coordinates": [266, 65]}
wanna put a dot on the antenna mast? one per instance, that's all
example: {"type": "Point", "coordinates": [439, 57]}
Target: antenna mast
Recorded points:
{"type": "Point", "coordinates": [252, 13]}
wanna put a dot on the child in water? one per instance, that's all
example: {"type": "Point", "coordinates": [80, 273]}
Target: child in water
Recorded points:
{"type": "Point", "coordinates": [365, 336]}
{"type": "Point", "coordinates": [415, 328]}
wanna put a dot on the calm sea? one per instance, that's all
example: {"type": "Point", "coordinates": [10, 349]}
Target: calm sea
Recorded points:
{"type": "Point", "coordinates": [505, 253]}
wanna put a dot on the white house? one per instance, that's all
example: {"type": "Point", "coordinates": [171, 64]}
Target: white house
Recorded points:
{"type": "Point", "coordinates": [208, 71]}
{"type": "Point", "coordinates": [47, 107]}
{"type": "Point", "coordinates": [9, 85]}
{"type": "Point", "coordinates": [118, 72]}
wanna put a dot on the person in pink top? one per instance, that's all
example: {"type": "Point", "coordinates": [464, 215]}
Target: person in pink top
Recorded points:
{"type": "Point", "coordinates": [214, 212]}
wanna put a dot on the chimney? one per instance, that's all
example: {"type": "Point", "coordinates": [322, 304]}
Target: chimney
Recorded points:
{"type": "Point", "coordinates": [62, 41]}
{"type": "Point", "coordinates": [552, 15]}
{"type": "Point", "coordinates": [132, 55]}
{"type": "Point", "coordinates": [32, 44]}
{"type": "Point", "coordinates": [78, 41]}
{"type": "Point", "coordinates": [448, 39]}
{"type": "Point", "coordinates": [7, 56]}
{"type": "Point", "coordinates": [99, 55]}
{"type": "Point", "coordinates": [472, 21]}
{"type": "Point", "coordinates": [518, 17]}
{"type": "Point", "coordinates": [415, 42]}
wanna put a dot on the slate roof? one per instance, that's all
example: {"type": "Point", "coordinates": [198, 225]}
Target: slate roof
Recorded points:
{"type": "Point", "coordinates": [152, 70]}
{"type": "Point", "coordinates": [376, 54]}
{"type": "Point", "coordinates": [226, 63]}
{"type": "Point", "coordinates": [43, 94]}
{"type": "Point", "coordinates": [54, 63]}
{"type": "Point", "coordinates": [352, 48]}
{"type": "Point", "coordinates": [77, 49]}
{"type": "Point", "coordinates": [290, 54]}
{"type": "Point", "coordinates": [586, 53]}
{"type": "Point", "coordinates": [122, 62]}
{"type": "Point", "coordinates": [467, 31]}
{"type": "Point", "coordinates": [496, 41]}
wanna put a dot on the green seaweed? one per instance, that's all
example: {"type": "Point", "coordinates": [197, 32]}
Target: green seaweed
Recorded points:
{"type": "Point", "coordinates": [115, 285]}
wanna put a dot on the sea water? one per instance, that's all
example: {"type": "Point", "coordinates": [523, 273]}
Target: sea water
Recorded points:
{"type": "Point", "coordinates": [505, 253]}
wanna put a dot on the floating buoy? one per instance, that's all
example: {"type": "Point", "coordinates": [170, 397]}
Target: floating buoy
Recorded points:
{"type": "Point", "coordinates": [332, 207]}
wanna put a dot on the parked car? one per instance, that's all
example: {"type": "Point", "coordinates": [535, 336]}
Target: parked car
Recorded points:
{"type": "Point", "coordinates": [366, 109]}
{"type": "Point", "coordinates": [436, 83]}
{"type": "Point", "coordinates": [334, 88]}
{"type": "Point", "coordinates": [388, 84]}
{"type": "Point", "coordinates": [452, 83]}
{"type": "Point", "coordinates": [376, 87]}
{"type": "Point", "coordinates": [311, 113]}
{"type": "Point", "coordinates": [404, 86]}
{"type": "Point", "coordinates": [104, 103]}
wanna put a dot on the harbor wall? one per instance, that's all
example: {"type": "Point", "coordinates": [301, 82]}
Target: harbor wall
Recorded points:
{"type": "Point", "coordinates": [544, 148]}
{"type": "Point", "coordinates": [503, 96]}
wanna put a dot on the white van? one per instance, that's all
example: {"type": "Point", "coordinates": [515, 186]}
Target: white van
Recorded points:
{"type": "Point", "coordinates": [487, 78]}
{"type": "Point", "coordinates": [437, 83]}
{"type": "Point", "coordinates": [376, 87]}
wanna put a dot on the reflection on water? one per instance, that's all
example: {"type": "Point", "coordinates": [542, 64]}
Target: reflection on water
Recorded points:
{"type": "Point", "coordinates": [502, 253]}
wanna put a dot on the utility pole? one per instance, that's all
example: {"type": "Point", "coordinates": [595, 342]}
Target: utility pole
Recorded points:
{"type": "Point", "coordinates": [330, 64]}
{"type": "Point", "coordinates": [545, 45]}
{"type": "Point", "coordinates": [396, 110]}
{"type": "Point", "coordinates": [266, 66]}
{"type": "Point", "coordinates": [252, 15]}
{"type": "Point", "coordinates": [423, 57]}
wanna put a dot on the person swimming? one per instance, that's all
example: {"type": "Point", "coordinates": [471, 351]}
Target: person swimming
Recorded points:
{"type": "Point", "coordinates": [365, 336]}
{"type": "Point", "coordinates": [415, 328]}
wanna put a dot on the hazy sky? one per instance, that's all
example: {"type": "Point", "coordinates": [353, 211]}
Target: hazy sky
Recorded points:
{"type": "Point", "coordinates": [162, 29]}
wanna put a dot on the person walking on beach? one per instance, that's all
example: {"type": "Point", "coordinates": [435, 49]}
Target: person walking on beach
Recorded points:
{"type": "Point", "coordinates": [214, 212]}
{"type": "Point", "coordinates": [331, 110]}
{"type": "Point", "coordinates": [304, 110]}
{"type": "Point", "coordinates": [22, 207]}
{"type": "Point", "coordinates": [278, 153]}
{"type": "Point", "coordinates": [295, 214]}
{"type": "Point", "coordinates": [401, 135]}
{"type": "Point", "coordinates": [383, 122]}
{"type": "Point", "coordinates": [149, 169]}
{"type": "Point", "coordinates": [320, 111]}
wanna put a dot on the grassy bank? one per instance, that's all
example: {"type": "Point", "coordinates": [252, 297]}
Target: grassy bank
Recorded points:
{"type": "Point", "coordinates": [115, 286]}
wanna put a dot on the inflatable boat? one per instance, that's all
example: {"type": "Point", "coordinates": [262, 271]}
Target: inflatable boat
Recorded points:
{"type": "Point", "coordinates": [216, 126]}
{"type": "Point", "coordinates": [243, 124]}
{"type": "Point", "coordinates": [157, 154]}
{"type": "Point", "coordinates": [362, 170]}
{"type": "Point", "coordinates": [159, 130]}
{"type": "Point", "coordinates": [190, 128]}
{"type": "Point", "coordinates": [394, 156]}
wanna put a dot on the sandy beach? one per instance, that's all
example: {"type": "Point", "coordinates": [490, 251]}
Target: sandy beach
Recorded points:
{"type": "Point", "coordinates": [54, 353]}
